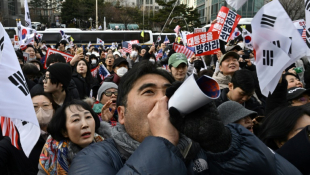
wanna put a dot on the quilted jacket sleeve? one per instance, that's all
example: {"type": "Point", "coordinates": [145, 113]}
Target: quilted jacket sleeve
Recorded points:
{"type": "Point", "coordinates": [155, 155]}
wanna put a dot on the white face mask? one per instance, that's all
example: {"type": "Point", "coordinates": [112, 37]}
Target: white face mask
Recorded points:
{"type": "Point", "coordinates": [121, 71]}
{"type": "Point", "coordinates": [152, 60]}
{"type": "Point", "coordinates": [30, 59]}
{"type": "Point", "coordinates": [134, 54]}
{"type": "Point", "coordinates": [44, 116]}
{"type": "Point", "coordinates": [93, 61]}
{"type": "Point", "coordinates": [44, 53]}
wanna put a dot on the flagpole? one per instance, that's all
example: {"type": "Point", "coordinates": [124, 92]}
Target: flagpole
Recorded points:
{"type": "Point", "coordinates": [167, 20]}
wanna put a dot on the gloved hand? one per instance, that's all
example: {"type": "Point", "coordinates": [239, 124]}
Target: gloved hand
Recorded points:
{"type": "Point", "coordinates": [202, 125]}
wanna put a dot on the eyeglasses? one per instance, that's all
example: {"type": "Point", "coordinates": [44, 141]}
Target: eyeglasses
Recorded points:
{"type": "Point", "coordinates": [45, 79]}
{"type": "Point", "coordinates": [109, 93]}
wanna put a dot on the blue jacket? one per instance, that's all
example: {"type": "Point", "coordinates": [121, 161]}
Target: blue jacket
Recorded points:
{"type": "Point", "coordinates": [155, 155]}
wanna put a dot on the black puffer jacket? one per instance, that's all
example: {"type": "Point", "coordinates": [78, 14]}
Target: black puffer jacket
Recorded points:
{"type": "Point", "coordinates": [156, 155]}
{"type": "Point", "coordinates": [251, 104]}
{"type": "Point", "coordinates": [83, 87]}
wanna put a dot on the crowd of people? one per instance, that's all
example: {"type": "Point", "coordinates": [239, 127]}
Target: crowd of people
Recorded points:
{"type": "Point", "coordinates": [121, 124]}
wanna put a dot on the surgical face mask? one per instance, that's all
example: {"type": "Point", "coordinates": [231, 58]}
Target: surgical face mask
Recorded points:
{"type": "Point", "coordinates": [121, 71]}
{"type": "Point", "coordinates": [44, 53]}
{"type": "Point", "coordinates": [134, 54]}
{"type": "Point", "coordinates": [44, 116]}
{"type": "Point", "coordinates": [152, 61]}
{"type": "Point", "coordinates": [30, 59]}
{"type": "Point", "coordinates": [93, 61]}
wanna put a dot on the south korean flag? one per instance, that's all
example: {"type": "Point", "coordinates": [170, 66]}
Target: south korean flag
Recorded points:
{"type": "Point", "coordinates": [307, 13]}
{"type": "Point", "coordinates": [273, 17]}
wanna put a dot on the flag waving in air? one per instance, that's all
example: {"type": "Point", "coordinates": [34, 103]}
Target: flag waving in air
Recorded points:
{"type": "Point", "coordinates": [17, 116]}
{"type": "Point", "coordinates": [177, 29]}
{"type": "Point", "coordinates": [126, 47]}
{"type": "Point", "coordinates": [103, 71]}
{"type": "Point", "coordinates": [236, 4]}
{"type": "Point", "coordinates": [64, 36]}
{"type": "Point", "coordinates": [166, 40]}
{"type": "Point", "coordinates": [182, 49]}
{"type": "Point", "coordinates": [27, 15]}
{"type": "Point", "coordinates": [247, 38]}
{"type": "Point", "coordinates": [99, 41]}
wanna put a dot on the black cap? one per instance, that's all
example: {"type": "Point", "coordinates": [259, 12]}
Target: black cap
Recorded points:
{"type": "Point", "coordinates": [295, 92]}
{"type": "Point", "coordinates": [119, 61]}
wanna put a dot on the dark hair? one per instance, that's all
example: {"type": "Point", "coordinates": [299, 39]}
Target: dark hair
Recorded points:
{"type": "Point", "coordinates": [19, 55]}
{"type": "Point", "coordinates": [49, 96]}
{"type": "Point", "coordinates": [288, 73]}
{"type": "Point", "coordinates": [95, 49]}
{"type": "Point", "coordinates": [279, 123]}
{"type": "Point", "coordinates": [244, 80]}
{"type": "Point", "coordinates": [63, 42]}
{"type": "Point", "coordinates": [31, 71]}
{"type": "Point", "coordinates": [54, 58]}
{"type": "Point", "coordinates": [88, 77]}
{"type": "Point", "coordinates": [135, 46]}
{"type": "Point", "coordinates": [57, 124]}
{"type": "Point", "coordinates": [128, 80]}
{"type": "Point", "coordinates": [208, 72]}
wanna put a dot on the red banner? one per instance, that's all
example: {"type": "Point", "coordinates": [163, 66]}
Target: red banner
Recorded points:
{"type": "Point", "coordinates": [206, 43]}
{"type": "Point", "coordinates": [227, 21]}
{"type": "Point", "coordinates": [50, 51]}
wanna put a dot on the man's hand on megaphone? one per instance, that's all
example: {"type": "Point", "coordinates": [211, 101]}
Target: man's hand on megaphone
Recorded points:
{"type": "Point", "coordinates": [202, 125]}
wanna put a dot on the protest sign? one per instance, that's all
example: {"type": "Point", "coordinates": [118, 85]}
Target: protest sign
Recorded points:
{"type": "Point", "coordinates": [50, 51]}
{"type": "Point", "coordinates": [227, 21]}
{"type": "Point", "coordinates": [206, 43]}
{"type": "Point", "coordinates": [199, 30]}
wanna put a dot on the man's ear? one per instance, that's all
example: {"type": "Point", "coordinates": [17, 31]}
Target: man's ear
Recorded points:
{"type": "Point", "coordinates": [121, 114]}
{"type": "Point", "coordinates": [220, 67]}
{"type": "Point", "coordinates": [230, 86]}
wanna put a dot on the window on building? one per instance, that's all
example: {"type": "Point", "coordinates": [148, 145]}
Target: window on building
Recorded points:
{"type": "Point", "coordinates": [133, 3]}
{"type": "Point", "coordinates": [11, 7]}
{"type": "Point", "coordinates": [151, 1]}
{"type": "Point", "coordinates": [156, 7]}
{"type": "Point", "coordinates": [147, 2]}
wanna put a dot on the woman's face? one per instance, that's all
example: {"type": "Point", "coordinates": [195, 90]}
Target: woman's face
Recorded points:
{"type": "Point", "coordinates": [292, 81]}
{"type": "Point", "coordinates": [81, 67]}
{"type": "Point", "coordinates": [31, 52]}
{"type": "Point", "coordinates": [44, 110]}
{"type": "Point", "coordinates": [301, 123]}
{"type": "Point", "coordinates": [80, 126]}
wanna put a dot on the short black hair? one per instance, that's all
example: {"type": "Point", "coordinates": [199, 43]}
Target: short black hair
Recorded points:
{"type": "Point", "coordinates": [54, 58]}
{"type": "Point", "coordinates": [95, 49]}
{"type": "Point", "coordinates": [54, 81]}
{"type": "Point", "coordinates": [279, 123]}
{"type": "Point", "coordinates": [63, 42]}
{"type": "Point", "coordinates": [244, 80]}
{"type": "Point", "coordinates": [47, 95]}
{"type": "Point", "coordinates": [30, 70]}
{"type": "Point", "coordinates": [57, 124]}
{"type": "Point", "coordinates": [128, 80]}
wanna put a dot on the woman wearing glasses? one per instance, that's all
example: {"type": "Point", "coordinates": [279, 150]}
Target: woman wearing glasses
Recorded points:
{"type": "Point", "coordinates": [106, 106]}
{"type": "Point", "coordinates": [84, 81]}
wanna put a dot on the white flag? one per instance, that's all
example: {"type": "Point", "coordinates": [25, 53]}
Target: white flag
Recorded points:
{"type": "Point", "coordinates": [236, 4]}
{"type": "Point", "coordinates": [27, 15]}
{"type": "Point", "coordinates": [247, 38]}
{"type": "Point", "coordinates": [25, 34]}
{"type": "Point", "coordinates": [15, 103]}
{"type": "Point", "coordinates": [307, 13]}
{"type": "Point", "coordinates": [89, 44]}
{"type": "Point", "coordinates": [64, 36]}
{"type": "Point", "coordinates": [99, 41]}
{"type": "Point", "coordinates": [277, 43]}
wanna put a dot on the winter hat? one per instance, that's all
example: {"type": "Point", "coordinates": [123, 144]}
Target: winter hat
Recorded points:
{"type": "Point", "coordinates": [105, 86]}
{"type": "Point", "coordinates": [232, 111]}
{"type": "Point", "coordinates": [62, 72]}
{"type": "Point", "coordinates": [295, 92]}
{"type": "Point", "coordinates": [119, 61]}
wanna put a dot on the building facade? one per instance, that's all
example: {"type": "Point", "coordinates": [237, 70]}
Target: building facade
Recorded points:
{"type": "Point", "coordinates": [10, 10]}
{"type": "Point", "coordinates": [208, 9]}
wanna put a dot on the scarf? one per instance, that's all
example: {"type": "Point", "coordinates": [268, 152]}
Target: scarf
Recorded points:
{"type": "Point", "coordinates": [56, 157]}
{"type": "Point", "coordinates": [128, 145]}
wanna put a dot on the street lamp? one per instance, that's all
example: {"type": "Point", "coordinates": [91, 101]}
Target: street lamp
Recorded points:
{"type": "Point", "coordinates": [90, 20]}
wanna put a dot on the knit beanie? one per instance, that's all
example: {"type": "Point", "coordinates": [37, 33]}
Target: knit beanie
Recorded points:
{"type": "Point", "coordinates": [62, 72]}
{"type": "Point", "coordinates": [105, 86]}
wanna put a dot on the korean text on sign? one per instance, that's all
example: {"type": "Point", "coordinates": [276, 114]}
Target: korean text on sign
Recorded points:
{"type": "Point", "coordinates": [227, 20]}
{"type": "Point", "coordinates": [205, 43]}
